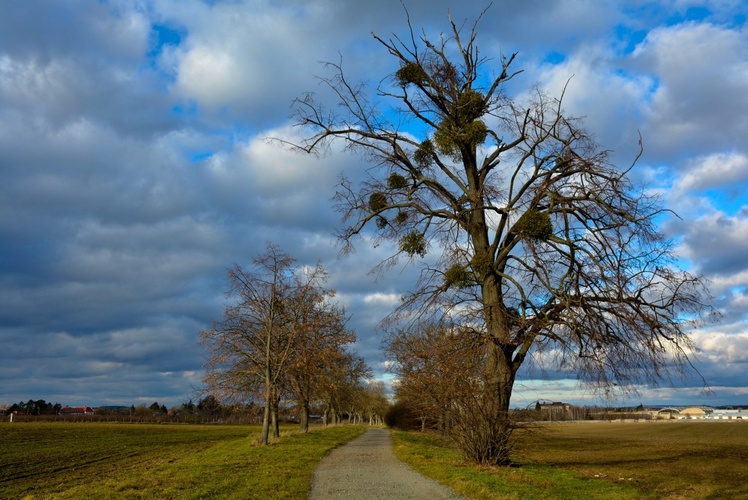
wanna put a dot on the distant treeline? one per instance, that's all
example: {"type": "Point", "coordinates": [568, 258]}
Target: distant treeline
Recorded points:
{"type": "Point", "coordinates": [404, 416]}
{"type": "Point", "coordinates": [207, 410]}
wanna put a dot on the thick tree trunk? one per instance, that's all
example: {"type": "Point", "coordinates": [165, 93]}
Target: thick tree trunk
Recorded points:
{"type": "Point", "coordinates": [500, 383]}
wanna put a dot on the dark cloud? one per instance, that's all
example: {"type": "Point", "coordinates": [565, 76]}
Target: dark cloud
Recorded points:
{"type": "Point", "coordinates": [718, 244]}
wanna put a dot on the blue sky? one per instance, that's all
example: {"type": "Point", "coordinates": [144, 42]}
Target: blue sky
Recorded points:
{"type": "Point", "coordinates": [134, 169]}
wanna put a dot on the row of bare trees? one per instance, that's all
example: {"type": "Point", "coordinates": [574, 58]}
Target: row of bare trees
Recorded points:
{"type": "Point", "coordinates": [283, 337]}
{"type": "Point", "coordinates": [440, 368]}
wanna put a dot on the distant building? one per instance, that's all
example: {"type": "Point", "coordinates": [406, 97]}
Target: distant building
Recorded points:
{"type": "Point", "coordinates": [692, 413]}
{"type": "Point", "coordinates": [667, 413]}
{"type": "Point", "coordinates": [76, 410]}
{"type": "Point", "coordinates": [719, 414]}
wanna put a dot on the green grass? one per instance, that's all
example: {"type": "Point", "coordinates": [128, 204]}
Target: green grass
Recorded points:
{"type": "Point", "coordinates": [680, 460]}
{"type": "Point", "coordinates": [64, 460]}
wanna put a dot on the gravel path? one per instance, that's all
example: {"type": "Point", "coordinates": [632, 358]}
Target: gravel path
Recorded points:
{"type": "Point", "coordinates": [367, 469]}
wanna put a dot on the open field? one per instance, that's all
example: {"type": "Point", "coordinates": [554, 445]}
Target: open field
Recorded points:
{"type": "Point", "coordinates": [66, 460]}
{"type": "Point", "coordinates": [671, 460]}
{"type": "Point", "coordinates": [675, 460]}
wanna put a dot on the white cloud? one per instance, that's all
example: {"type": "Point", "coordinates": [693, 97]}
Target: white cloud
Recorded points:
{"type": "Point", "coordinates": [610, 102]}
{"type": "Point", "coordinates": [700, 102]}
{"type": "Point", "coordinates": [717, 244]}
{"type": "Point", "coordinates": [714, 170]}
{"type": "Point", "coordinates": [208, 76]}
{"type": "Point", "coordinates": [721, 347]}
{"type": "Point", "coordinates": [382, 299]}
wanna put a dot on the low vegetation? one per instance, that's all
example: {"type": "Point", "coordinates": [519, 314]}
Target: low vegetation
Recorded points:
{"type": "Point", "coordinates": [671, 460]}
{"type": "Point", "coordinates": [68, 460]}
{"type": "Point", "coordinates": [662, 460]}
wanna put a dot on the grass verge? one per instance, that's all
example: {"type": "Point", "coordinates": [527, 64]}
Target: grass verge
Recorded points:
{"type": "Point", "coordinates": [437, 459]}
{"type": "Point", "coordinates": [159, 461]}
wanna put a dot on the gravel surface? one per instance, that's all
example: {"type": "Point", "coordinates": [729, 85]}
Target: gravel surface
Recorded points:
{"type": "Point", "coordinates": [367, 469]}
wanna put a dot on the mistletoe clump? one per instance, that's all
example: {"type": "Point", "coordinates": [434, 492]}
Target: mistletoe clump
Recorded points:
{"type": "Point", "coordinates": [401, 217]}
{"type": "Point", "coordinates": [413, 243]}
{"type": "Point", "coordinates": [535, 225]}
{"type": "Point", "coordinates": [424, 155]}
{"type": "Point", "coordinates": [470, 106]}
{"type": "Point", "coordinates": [377, 202]}
{"type": "Point", "coordinates": [457, 276]}
{"type": "Point", "coordinates": [396, 181]}
{"type": "Point", "coordinates": [411, 72]}
{"type": "Point", "coordinates": [481, 263]}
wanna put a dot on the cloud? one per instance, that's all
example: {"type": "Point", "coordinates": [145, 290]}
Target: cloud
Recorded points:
{"type": "Point", "coordinates": [135, 164]}
{"type": "Point", "coordinates": [718, 170]}
{"type": "Point", "coordinates": [701, 73]}
{"type": "Point", "coordinates": [610, 102]}
{"type": "Point", "coordinates": [717, 244]}
{"type": "Point", "coordinates": [722, 348]}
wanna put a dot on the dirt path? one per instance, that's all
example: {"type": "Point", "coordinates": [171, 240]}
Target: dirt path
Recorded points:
{"type": "Point", "coordinates": [367, 469]}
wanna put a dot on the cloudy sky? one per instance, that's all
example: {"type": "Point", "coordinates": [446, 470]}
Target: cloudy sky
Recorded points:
{"type": "Point", "coordinates": [134, 169]}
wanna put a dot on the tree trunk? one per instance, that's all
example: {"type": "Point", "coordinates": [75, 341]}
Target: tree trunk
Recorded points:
{"type": "Point", "coordinates": [304, 421]}
{"type": "Point", "coordinates": [265, 425]}
{"type": "Point", "coordinates": [266, 415]}
{"type": "Point", "coordinates": [499, 386]}
{"type": "Point", "coordinates": [275, 419]}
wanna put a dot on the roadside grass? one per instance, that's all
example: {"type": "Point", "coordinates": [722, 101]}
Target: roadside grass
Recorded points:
{"type": "Point", "coordinates": [159, 461]}
{"type": "Point", "coordinates": [675, 460]}
{"type": "Point", "coordinates": [437, 459]}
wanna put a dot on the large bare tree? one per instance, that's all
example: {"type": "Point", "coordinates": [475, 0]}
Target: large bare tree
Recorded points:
{"type": "Point", "coordinates": [322, 342]}
{"type": "Point", "coordinates": [276, 310]}
{"type": "Point", "coordinates": [533, 237]}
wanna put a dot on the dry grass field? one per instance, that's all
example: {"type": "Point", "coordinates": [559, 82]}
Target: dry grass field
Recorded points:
{"type": "Point", "coordinates": [627, 460]}
{"type": "Point", "coordinates": [681, 459]}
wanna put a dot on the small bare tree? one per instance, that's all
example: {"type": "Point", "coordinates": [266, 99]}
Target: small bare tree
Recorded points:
{"type": "Point", "coordinates": [438, 366]}
{"type": "Point", "coordinates": [544, 245]}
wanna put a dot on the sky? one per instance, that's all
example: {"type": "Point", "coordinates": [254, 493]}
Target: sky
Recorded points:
{"type": "Point", "coordinates": [135, 168]}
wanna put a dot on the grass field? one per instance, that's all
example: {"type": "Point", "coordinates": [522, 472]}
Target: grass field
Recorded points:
{"type": "Point", "coordinates": [668, 460]}
{"type": "Point", "coordinates": [664, 460]}
{"type": "Point", "coordinates": [69, 460]}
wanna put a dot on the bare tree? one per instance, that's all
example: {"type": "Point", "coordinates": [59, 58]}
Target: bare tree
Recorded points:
{"type": "Point", "coordinates": [270, 313]}
{"type": "Point", "coordinates": [544, 246]}
{"type": "Point", "coordinates": [340, 383]}
{"type": "Point", "coordinates": [321, 342]}
{"type": "Point", "coordinates": [438, 367]}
